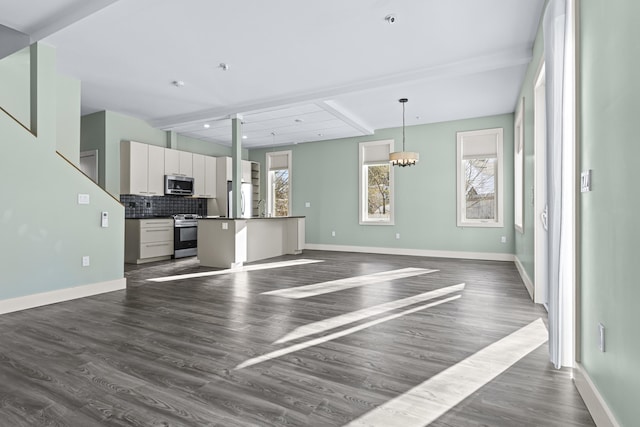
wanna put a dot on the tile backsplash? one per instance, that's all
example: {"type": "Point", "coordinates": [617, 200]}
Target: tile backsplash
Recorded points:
{"type": "Point", "coordinates": [150, 206]}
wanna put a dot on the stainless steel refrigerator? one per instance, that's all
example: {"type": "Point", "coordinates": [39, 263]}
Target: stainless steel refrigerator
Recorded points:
{"type": "Point", "coordinates": [245, 200]}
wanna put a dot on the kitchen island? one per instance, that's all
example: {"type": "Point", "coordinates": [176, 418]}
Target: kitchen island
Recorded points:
{"type": "Point", "coordinates": [230, 242]}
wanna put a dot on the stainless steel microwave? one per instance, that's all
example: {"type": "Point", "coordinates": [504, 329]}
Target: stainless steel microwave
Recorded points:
{"type": "Point", "coordinates": [178, 185]}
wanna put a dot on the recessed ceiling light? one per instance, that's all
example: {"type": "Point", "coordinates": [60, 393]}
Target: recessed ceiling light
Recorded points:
{"type": "Point", "coordinates": [177, 83]}
{"type": "Point", "coordinates": [417, 117]}
{"type": "Point", "coordinates": [224, 66]}
{"type": "Point", "coordinates": [299, 120]}
{"type": "Point", "coordinates": [244, 136]}
{"type": "Point", "coordinates": [207, 125]}
{"type": "Point", "coordinates": [320, 134]}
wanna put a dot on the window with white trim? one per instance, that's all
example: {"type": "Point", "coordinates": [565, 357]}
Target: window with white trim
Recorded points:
{"type": "Point", "coordinates": [376, 183]}
{"type": "Point", "coordinates": [279, 183]}
{"type": "Point", "coordinates": [479, 178]}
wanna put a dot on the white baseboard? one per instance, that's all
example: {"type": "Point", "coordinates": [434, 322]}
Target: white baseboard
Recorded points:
{"type": "Point", "coordinates": [596, 405]}
{"type": "Point", "coordinates": [486, 256]}
{"type": "Point", "coordinates": [46, 298]}
{"type": "Point", "coordinates": [528, 283]}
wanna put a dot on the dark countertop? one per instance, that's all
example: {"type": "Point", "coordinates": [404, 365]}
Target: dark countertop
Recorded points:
{"type": "Point", "coordinates": [152, 217]}
{"type": "Point", "coordinates": [249, 219]}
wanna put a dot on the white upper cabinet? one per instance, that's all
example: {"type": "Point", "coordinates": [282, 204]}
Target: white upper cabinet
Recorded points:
{"type": "Point", "coordinates": [210, 171]}
{"type": "Point", "coordinates": [155, 183]}
{"type": "Point", "coordinates": [178, 162]}
{"type": "Point", "coordinates": [141, 169]}
{"type": "Point", "coordinates": [204, 176]}
{"type": "Point", "coordinates": [171, 162]}
{"type": "Point", "coordinates": [246, 171]}
{"type": "Point", "coordinates": [186, 163]}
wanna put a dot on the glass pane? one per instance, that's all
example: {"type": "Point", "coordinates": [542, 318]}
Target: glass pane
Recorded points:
{"type": "Point", "coordinates": [480, 188]}
{"type": "Point", "coordinates": [280, 192]}
{"type": "Point", "coordinates": [378, 192]}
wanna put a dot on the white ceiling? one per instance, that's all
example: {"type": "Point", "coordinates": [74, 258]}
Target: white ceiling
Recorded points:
{"type": "Point", "coordinates": [304, 70]}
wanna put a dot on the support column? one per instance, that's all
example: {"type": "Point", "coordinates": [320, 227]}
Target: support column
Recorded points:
{"type": "Point", "coordinates": [236, 155]}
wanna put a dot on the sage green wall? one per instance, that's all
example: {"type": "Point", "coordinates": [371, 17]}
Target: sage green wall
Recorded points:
{"type": "Point", "coordinates": [326, 175]}
{"type": "Point", "coordinates": [104, 130]}
{"type": "Point", "coordinates": [14, 97]}
{"type": "Point", "coordinates": [609, 287]}
{"type": "Point", "coordinates": [525, 242]}
{"type": "Point", "coordinates": [44, 231]}
{"type": "Point", "coordinates": [68, 116]}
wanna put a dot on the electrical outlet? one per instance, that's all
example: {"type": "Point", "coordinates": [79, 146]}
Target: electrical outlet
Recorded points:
{"type": "Point", "coordinates": [307, 204]}
{"type": "Point", "coordinates": [83, 199]}
{"type": "Point", "coordinates": [601, 337]}
{"type": "Point", "coordinates": [225, 225]}
{"type": "Point", "coordinates": [86, 261]}
{"type": "Point", "coordinates": [503, 239]}
{"type": "Point", "coordinates": [333, 234]}
{"type": "Point", "coordinates": [397, 235]}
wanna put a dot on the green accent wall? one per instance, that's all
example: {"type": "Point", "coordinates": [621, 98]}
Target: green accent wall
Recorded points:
{"type": "Point", "coordinates": [326, 175]}
{"type": "Point", "coordinates": [609, 288]}
{"type": "Point", "coordinates": [44, 231]}
{"type": "Point", "coordinates": [525, 242]}
{"type": "Point", "coordinates": [68, 116]}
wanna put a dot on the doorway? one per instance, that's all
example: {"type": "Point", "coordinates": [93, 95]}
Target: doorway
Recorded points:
{"type": "Point", "coordinates": [89, 164]}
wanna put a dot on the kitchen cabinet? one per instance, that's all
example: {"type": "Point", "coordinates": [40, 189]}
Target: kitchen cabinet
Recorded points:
{"type": "Point", "coordinates": [141, 169]}
{"type": "Point", "coordinates": [204, 176]}
{"type": "Point", "coordinates": [148, 240]}
{"type": "Point", "coordinates": [178, 162]}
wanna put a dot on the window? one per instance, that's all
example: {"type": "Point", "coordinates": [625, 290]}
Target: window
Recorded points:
{"type": "Point", "coordinates": [279, 183]}
{"type": "Point", "coordinates": [518, 170]}
{"type": "Point", "coordinates": [479, 170]}
{"type": "Point", "coordinates": [376, 183]}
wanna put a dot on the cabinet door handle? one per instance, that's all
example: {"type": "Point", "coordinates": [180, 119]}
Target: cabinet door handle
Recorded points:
{"type": "Point", "coordinates": [157, 244]}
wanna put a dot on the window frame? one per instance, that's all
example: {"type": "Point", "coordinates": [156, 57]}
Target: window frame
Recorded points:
{"type": "Point", "coordinates": [462, 220]}
{"type": "Point", "coordinates": [362, 183]}
{"type": "Point", "coordinates": [269, 188]}
{"type": "Point", "coordinates": [518, 169]}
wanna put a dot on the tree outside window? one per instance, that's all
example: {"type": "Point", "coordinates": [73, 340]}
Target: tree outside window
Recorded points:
{"type": "Point", "coordinates": [480, 188]}
{"type": "Point", "coordinates": [378, 192]}
{"type": "Point", "coordinates": [280, 187]}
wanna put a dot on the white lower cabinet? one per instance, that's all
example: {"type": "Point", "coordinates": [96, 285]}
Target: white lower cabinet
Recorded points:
{"type": "Point", "coordinates": [148, 240]}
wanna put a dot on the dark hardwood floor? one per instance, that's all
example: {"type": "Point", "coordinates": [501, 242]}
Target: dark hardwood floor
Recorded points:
{"type": "Point", "coordinates": [171, 353]}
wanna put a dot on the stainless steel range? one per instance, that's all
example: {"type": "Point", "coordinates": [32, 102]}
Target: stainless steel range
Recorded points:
{"type": "Point", "coordinates": [185, 235]}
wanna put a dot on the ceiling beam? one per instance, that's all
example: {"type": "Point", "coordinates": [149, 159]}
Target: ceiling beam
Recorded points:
{"type": "Point", "coordinates": [348, 117]}
{"type": "Point", "coordinates": [502, 59]}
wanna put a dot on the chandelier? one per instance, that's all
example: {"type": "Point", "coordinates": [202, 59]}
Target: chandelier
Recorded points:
{"type": "Point", "coordinates": [403, 158]}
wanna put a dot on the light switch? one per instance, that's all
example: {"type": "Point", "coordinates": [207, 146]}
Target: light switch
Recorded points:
{"type": "Point", "coordinates": [225, 225]}
{"type": "Point", "coordinates": [585, 181]}
{"type": "Point", "coordinates": [105, 219]}
{"type": "Point", "coordinates": [83, 199]}
{"type": "Point", "coordinates": [307, 204]}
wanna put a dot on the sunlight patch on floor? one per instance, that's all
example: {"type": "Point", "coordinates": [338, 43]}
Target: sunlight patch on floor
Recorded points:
{"type": "Point", "coordinates": [354, 316]}
{"type": "Point", "coordinates": [426, 402]}
{"type": "Point", "coordinates": [333, 336]}
{"type": "Point", "coordinates": [265, 266]}
{"type": "Point", "coordinates": [348, 283]}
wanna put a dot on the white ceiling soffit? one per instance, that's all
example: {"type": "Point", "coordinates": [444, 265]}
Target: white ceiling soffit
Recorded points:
{"type": "Point", "coordinates": [337, 61]}
{"type": "Point", "coordinates": [40, 19]}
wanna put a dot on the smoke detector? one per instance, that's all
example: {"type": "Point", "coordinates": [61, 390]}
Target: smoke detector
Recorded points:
{"type": "Point", "coordinates": [391, 18]}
